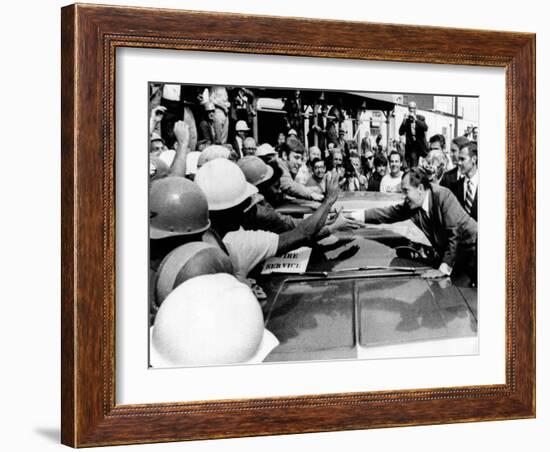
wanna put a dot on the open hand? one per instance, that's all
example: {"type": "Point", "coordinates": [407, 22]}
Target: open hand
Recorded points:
{"type": "Point", "coordinates": [333, 188]}
{"type": "Point", "coordinates": [341, 223]}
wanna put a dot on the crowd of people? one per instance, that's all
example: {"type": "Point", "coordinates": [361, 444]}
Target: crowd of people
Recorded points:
{"type": "Point", "coordinates": [213, 201]}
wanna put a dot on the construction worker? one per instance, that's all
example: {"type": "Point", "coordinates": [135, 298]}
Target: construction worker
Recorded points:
{"type": "Point", "coordinates": [260, 214]}
{"type": "Point", "coordinates": [208, 320]}
{"type": "Point", "coordinates": [178, 214]}
{"type": "Point", "coordinates": [241, 132]}
{"type": "Point", "coordinates": [229, 195]}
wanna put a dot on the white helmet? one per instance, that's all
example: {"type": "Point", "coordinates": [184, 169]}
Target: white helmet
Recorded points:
{"type": "Point", "coordinates": [265, 149]}
{"type": "Point", "coordinates": [224, 184]}
{"type": "Point", "coordinates": [191, 162]}
{"type": "Point", "coordinates": [214, 151]}
{"type": "Point", "coordinates": [242, 126]}
{"type": "Point", "coordinates": [208, 320]}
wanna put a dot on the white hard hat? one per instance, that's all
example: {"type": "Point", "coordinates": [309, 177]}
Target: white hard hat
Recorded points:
{"type": "Point", "coordinates": [208, 320]}
{"type": "Point", "coordinates": [265, 149]}
{"type": "Point", "coordinates": [292, 132]}
{"type": "Point", "coordinates": [224, 184]}
{"type": "Point", "coordinates": [214, 151]}
{"type": "Point", "coordinates": [241, 126]}
{"type": "Point", "coordinates": [191, 162]}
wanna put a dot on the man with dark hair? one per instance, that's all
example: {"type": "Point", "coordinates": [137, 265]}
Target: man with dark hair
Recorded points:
{"type": "Point", "coordinates": [293, 151]}
{"type": "Point", "coordinates": [466, 188]}
{"type": "Point", "coordinates": [414, 128]}
{"type": "Point", "coordinates": [391, 182]}
{"type": "Point", "coordinates": [380, 167]}
{"type": "Point", "coordinates": [438, 214]}
{"type": "Point", "coordinates": [453, 175]}
{"type": "Point", "coordinates": [437, 142]}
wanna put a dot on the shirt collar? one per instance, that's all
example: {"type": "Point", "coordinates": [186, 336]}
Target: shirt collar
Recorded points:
{"type": "Point", "coordinates": [474, 179]}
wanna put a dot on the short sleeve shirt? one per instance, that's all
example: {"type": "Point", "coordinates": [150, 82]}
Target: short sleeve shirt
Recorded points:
{"type": "Point", "coordinates": [248, 248]}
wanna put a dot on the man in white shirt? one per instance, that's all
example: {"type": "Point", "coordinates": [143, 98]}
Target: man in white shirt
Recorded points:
{"type": "Point", "coordinates": [391, 182]}
{"type": "Point", "coordinates": [229, 196]}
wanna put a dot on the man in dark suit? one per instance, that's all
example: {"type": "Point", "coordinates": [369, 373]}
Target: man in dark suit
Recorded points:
{"type": "Point", "coordinates": [325, 129]}
{"type": "Point", "coordinates": [466, 188]}
{"type": "Point", "coordinates": [206, 126]}
{"type": "Point", "coordinates": [438, 214]}
{"type": "Point", "coordinates": [452, 176]}
{"type": "Point", "coordinates": [414, 128]}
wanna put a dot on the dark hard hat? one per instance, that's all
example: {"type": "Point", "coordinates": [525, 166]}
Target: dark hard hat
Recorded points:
{"type": "Point", "coordinates": [177, 206]}
{"type": "Point", "coordinates": [187, 261]}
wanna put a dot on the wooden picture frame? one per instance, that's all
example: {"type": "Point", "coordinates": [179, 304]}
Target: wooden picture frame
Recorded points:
{"type": "Point", "coordinates": [90, 36]}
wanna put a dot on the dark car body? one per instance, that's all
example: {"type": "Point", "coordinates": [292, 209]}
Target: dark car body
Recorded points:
{"type": "Point", "coordinates": [362, 296]}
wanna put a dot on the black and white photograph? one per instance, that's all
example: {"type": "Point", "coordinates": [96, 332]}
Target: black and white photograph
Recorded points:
{"type": "Point", "coordinates": [292, 224]}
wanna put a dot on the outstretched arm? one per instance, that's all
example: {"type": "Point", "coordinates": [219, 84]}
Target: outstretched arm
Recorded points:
{"type": "Point", "coordinates": [311, 226]}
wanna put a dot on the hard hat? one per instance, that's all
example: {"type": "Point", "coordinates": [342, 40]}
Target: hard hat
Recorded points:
{"type": "Point", "coordinates": [214, 151]}
{"type": "Point", "coordinates": [241, 126]}
{"type": "Point", "coordinates": [157, 168]}
{"type": "Point", "coordinates": [265, 149]}
{"type": "Point", "coordinates": [207, 320]}
{"type": "Point", "coordinates": [191, 162]}
{"type": "Point", "coordinates": [155, 136]}
{"type": "Point", "coordinates": [255, 170]}
{"type": "Point", "coordinates": [177, 206]}
{"type": "Point", "coordinates": [209, 106]}
{"type": "Point", "coordinates": [188, 261]}
{"type": "Point", "coordinates": [224, 184]}
{"type": "Point", "coordinates": [292, 132]}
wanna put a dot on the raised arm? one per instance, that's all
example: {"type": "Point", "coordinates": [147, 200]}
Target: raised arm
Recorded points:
{"type": "Point", "coordinates": [311, 226]}
{"type": "Point", "coordinates": [179, 165]}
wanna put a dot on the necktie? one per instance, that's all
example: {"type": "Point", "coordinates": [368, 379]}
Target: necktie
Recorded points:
{"type": "Point", "coordinates": [469, 196]}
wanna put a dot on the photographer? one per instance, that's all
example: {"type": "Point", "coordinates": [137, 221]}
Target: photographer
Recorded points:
{"type": "Point", "coordinates": [414, 128]}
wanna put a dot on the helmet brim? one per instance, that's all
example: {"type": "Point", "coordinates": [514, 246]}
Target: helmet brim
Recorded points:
{"type": "Point", "coordinates": [248, 192]}
{"type": "Point", "coordinates": [268, 175]}
{"type": "Point", "coordinates": [156, 233]}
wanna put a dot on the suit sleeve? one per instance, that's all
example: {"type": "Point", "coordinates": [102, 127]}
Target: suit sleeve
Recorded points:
{"type": "Point", "coordinates": [403, 127]}
{"type": "Point", "coordinates": [453, 215]}
{"type": "Point", "coordinates": [391, 214]}
{"type": "Point", "coordinates": [205, 132]}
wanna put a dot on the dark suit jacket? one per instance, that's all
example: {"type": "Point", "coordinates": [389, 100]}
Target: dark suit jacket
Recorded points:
{"type": "Point", "coordinates": [458, 189]}
{"type": "Point", "coordinates": [206, 132]}
{"type": "Point", "coordinates": [326, 135]}
{"type": "Point", "coordinates": [449, 178]}
{"type": "Point", "coordinates": [418, 143]}
{"type": "Point", "coordinates": [448, 227]}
